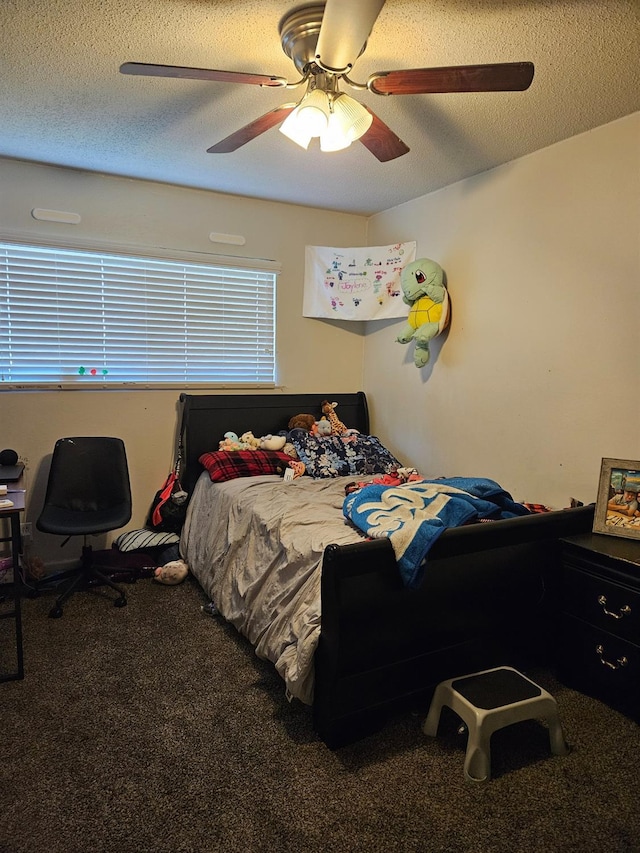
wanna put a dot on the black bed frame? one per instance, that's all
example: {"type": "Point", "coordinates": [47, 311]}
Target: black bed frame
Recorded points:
{"type": "Point", "coordinates": [383, 647]}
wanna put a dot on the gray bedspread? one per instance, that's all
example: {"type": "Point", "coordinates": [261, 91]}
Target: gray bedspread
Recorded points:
{"type": "Point", "coordinates": [255, 544]}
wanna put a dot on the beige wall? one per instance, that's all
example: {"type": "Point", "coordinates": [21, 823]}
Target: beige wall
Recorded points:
{"type": "Point", "coordinates": [535, 381]}
{"type": "Point", "coordinates": [538, 376]}
{"type": "Point", "coordinates": [312, 354]}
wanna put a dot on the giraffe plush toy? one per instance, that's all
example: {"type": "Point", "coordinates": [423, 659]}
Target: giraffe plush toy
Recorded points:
{"type": "Point", "coordinates": [337, 427]}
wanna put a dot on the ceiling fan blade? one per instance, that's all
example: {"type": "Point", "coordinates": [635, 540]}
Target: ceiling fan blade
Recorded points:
{"type": "Point", "coordinates": [250, 131]}
{"type": "Point", "coordinates": [344, 32]}
{"type": "Point", "coordinates": [146, 69]}
{"type": "Point", "coordinates": [502, 77]}
{"type": "Point", "coordinates": [382, 141]}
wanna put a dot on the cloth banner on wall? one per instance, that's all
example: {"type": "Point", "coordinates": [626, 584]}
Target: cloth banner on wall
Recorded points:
{"type": "Point", "coordinates": [356, 284]}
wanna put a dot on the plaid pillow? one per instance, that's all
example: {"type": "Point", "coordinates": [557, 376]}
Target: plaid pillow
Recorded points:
{"type": "Point", "coordinates": [228, 464]}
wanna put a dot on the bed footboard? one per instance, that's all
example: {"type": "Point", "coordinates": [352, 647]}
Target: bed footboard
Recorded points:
{"type": "Point", "coordinates": [483, 602]}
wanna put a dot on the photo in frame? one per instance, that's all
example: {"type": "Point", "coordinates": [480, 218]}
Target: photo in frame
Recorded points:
{"type": "Point", "coordinates": [618, 505]}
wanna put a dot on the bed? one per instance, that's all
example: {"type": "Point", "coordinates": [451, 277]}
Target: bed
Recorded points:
{"type": "Point", "coordinates": [343, 630]}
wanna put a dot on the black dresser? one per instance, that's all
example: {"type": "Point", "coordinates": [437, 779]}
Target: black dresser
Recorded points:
{"type": "Point", "coordinates": [598, 619]}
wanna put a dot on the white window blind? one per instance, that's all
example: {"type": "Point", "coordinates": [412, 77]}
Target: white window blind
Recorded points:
{"type": "Point", "coordinates": [70, 316]}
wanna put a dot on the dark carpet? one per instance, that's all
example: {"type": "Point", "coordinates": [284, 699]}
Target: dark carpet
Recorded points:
{"type": "Point", "coordinates": [155, 728]}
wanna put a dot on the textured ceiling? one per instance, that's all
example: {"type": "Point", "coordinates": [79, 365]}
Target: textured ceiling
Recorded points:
{"type": "Point", "coordinates": [64, 102]}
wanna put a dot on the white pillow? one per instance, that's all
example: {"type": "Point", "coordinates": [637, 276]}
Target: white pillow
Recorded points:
{"type": "Point", "coordinates": [139, 540]}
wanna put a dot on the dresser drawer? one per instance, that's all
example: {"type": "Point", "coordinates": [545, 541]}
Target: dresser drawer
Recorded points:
{"type": "Point", "coordinates": [607, 605]}
{"type": "Point", "coordinates": [600, 663]}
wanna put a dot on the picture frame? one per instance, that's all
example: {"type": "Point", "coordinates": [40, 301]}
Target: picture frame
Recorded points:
{"type": "Point", "coordinates": [619, 486]}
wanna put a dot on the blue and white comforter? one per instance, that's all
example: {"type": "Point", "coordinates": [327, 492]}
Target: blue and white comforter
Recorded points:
{"type": "Point", "coordinates": [413, 515]}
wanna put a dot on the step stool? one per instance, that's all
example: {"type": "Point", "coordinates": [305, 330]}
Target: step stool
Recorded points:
{"type": "Point", "coordinates": [488, 701]}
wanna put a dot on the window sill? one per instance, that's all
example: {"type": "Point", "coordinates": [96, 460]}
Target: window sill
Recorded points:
{"type": "Point", "coordinates": [138, 386]}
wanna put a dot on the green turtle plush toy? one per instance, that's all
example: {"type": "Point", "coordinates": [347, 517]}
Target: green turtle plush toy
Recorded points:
{"type": "Point", "coordinates": [425, 292]}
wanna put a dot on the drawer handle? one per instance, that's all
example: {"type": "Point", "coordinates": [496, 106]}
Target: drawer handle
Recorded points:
{"type": "Point", "coordinates": [620, 662]}
{"type": "Point", "coordinates": [625, 610]}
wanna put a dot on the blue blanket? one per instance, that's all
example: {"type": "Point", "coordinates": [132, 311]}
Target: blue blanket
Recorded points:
{"type": "Point", "coordinates": [413, 515]}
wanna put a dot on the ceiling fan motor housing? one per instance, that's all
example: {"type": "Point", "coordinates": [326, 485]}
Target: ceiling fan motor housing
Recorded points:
{"type": "Point", "coordinates": [299, 31]}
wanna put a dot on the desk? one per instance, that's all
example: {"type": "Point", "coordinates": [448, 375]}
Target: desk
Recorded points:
{"type": "Point", "coordinates": [11, 515]}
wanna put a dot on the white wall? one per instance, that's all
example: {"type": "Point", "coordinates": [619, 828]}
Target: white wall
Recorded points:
{"type": "Point", "coordinates": [538, 376]}
{"type": "Point", "coordinates": [312, 354]}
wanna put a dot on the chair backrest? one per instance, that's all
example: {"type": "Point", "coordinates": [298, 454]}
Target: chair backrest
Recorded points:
{"type": "Point", "coordinates": [88, 486]}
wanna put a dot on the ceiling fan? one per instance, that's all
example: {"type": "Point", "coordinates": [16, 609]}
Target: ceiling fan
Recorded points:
{"type": "Point", "coordinates": [324, 41]}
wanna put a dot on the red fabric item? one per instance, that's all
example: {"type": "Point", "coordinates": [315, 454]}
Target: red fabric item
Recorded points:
{"type": "Point", "coordinates": [165, 494]}
{"type": "Point", "coordinates": [536, 507]}
{"type": "Point", "coordinates": [228, 464]}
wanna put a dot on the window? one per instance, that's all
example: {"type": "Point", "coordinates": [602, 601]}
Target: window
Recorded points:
{"type": "Point", "coordinates": [70, 316]}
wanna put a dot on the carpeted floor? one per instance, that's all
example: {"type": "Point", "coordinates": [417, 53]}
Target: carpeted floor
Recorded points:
{"type": "Point", "coordinates": [155, 728]}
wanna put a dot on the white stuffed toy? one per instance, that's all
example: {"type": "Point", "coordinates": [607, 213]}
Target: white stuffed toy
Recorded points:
{"type": "Point", "coordinates": [171, 573]}
{"type": "Point", "coordinates": [425, 291]}
{"type": "Point", "coordinates": [272, 442]}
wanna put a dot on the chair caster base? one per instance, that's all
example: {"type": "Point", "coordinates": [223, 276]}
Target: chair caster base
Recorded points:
{"type": "Point", "coordinates": [55, 613]}
{"type": "Point", "coordinates": [120, 602]}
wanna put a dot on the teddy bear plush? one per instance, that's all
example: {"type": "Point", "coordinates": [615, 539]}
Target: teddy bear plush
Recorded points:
{"type": "Point", "coordinates": [172, 573]}
{"type": "Point", "coordinates": [425, 292]}
{"type": "Point", "coordinates": [302, 422]}
{"type": "Point", "coordinates": [251, 442]}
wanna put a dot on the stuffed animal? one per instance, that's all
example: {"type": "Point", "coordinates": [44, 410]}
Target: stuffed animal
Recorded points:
{"type": "Point", "coordinates": [231, 442]}
{"type": "Point", "coordinates": [272, 442]}
{"type": "Point", "coordinates": [297, 467]}
{"type": "Point", "coordinates": [322, 427]}
{"type": "Point", "coordinates": [337, 427]}
{"type": "Point", "coordinates": [249, 439]}
{"type": "Point", "coordinates": [290, 450]}
{"type": "Point", "coordinates": [171, 573]}
{"type": "Point", "coordinates": [425, 292]}
{"type": "Point", "coordinates": [408, 475]}
{"type": "Point", "coordinates": [302, 422]}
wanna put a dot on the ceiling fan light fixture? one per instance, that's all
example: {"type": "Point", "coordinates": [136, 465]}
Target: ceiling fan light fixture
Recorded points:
{"type": "Point", "coordinates": [295, 131]}
{"type": "Point", "coordinates": [310, 118]}
{"type": "Point", "coordinates": [354, 119]}
{"type": "Point", "coordinates": [334, 137]}
{"type": "Point", "coordinates": [313, 112]}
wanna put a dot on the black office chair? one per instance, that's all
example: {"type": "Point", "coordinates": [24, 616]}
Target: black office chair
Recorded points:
{"type": "Point", "coordinates": [88, 492]}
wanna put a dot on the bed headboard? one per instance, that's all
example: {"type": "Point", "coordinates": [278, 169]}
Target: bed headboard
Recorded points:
{"type": "Point", "coordinates": [206, 418]}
